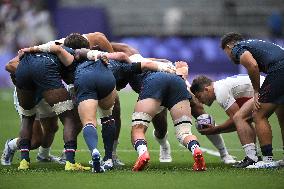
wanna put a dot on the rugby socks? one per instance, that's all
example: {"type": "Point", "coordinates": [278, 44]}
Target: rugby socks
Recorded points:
{"type": "Point", "coordinates": [267, 152]}
{"type": "Point", "coordinates": [70, 149]}
{"type": "Point", "coordinates": [250, 150]}
{"type": "Point", "coordinates": [43, 152]}
{"type": "Point", "coordinates": [13, 144]}
{"type": "Point", "coordinates": [24, 146]}
{"type": "Point", "coordinates": [108, 133]}
{"type": "Point", "coordinates": [162, 141]}
{"type": "Point", "coordinates": [140, 146]}
{"type": "Point", "coordinates": [218, 142]}
{"type": "Point", "coordinates": [192, 145]}
{"type": "Point", "coordinates": [91, 136]}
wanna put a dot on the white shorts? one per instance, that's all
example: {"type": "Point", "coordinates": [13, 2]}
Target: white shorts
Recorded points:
{"type": "Point", "coordinates": [43, 109]}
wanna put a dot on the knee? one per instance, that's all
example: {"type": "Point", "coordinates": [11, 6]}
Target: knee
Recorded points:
{"type": "Point", "coordinates": [237, 116]}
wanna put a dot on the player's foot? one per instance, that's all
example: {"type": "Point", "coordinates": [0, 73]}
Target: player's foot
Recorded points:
{"type": "Point", "coordinates": [141, 162]}
{"type": "Point", "coordinates": [24, 165]}
{"type": "Point", "coordinates": [199, 162]}
{"type": "Point", "coordinates": [116, 161]}
{"type": "Point", "coordinates": [228, 159]}
{"type": "Point", "coordinates": [244, 163]}
{"type": "Point", "coordinates": [263, 165]}
{"type": "Point", "coordinates": [165, 153]}
{"type": "Point", "coordinates": [7, 154]}
{"type": "Point", "coordinates": [51, 158]}
{"type": "Point", "coordinates": [97, 168]}
{"type": "Point", "coordinates": [75, 167]}
{"type": "Point", "coordinates": [281, 162]}
{"type": "Point", "coordinates": [107, 165]}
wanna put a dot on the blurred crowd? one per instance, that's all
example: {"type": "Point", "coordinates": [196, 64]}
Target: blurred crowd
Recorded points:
{"type": "Point", "coordinates": [24, 23]}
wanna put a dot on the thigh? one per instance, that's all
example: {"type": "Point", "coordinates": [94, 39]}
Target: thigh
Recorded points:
{"type": "Point", "coordinates": [246, 109]}
{"type": "Point", "coordinates": [265, 111]}
{"type": "Point", "coordinates": [54, 96]}
{"type": "Point", "coordinates": [87, 111]}
{"type": "Point", "coordinates": [26, 98]}
{"type": "Point", "coordinates": [180, 109]}
{"type": "Point", "coordinates": [150, 106]}
{"type": "Point", "coordinates": [108, 101]}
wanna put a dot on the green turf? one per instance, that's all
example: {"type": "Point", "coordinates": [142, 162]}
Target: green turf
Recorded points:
{"type": "Point", "coordinates": [177, 174]}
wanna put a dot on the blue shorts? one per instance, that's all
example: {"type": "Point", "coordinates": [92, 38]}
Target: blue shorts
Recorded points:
{"type": "Point", "coordinates": [168, 88]}
{"type": "Point", "coordinates": [38, 72]}
{"type": "Point", "coordinates": [272, 89]}
{"type": "Point", "coordinates": [94, 81]}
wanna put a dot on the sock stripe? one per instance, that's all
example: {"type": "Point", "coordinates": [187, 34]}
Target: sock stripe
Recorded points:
{"type": "Point", "coordinates": [179, 123]}
{"type": "Point", "coordinates": [69, 150]}
{"type": "Point", "coordinates": [24, 150]}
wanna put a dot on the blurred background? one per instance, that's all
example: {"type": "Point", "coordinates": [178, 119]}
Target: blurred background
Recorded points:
{"type": "Point", "coordinates": [188, 30]}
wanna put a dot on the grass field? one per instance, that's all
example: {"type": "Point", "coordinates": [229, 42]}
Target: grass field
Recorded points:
{"type": "Point", "coordinates": [177, 174]}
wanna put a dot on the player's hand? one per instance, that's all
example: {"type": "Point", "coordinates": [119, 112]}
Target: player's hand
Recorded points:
{"type": "Point", "coordinates": [164, 67]}
{"type": "Point", "coordinates": [256, 102]}
{"type": "Point", "coordinates": [21, 52]}
{"type": "Point", "coordinates": [81, 54]}
{"type": "Point", "coordinates": [208, 130]}
{"type": "Point", "coordinates": [103, 57]}
{"type": "Point", "coordinates": [182, 69]}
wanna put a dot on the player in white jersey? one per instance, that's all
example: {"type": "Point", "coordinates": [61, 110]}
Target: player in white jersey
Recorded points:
{"type": "Point", "coordinates": [235, 95]}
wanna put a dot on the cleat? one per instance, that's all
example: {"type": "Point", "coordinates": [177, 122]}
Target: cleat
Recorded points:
{"type": "Point", "coordinates": [281, 162]}
{"type": "Point", "coordinates": [244, 163]}
{"type": "Point", "coordinates": [51, 158]}
{"type": "Point", "coordinates": [107, 165]}
{"type": "Point", "coordinates": [199, 163]}
{"type": "Point", "coordinates": [97, 168]}
{"type": "Point", "coordinates": [24, 165]}
{"type": "Point", "coordinates": [165, 154]}
{"type": "Point", "coordinates": [117, 162]}
{"type": "Point", "coordinates": [75, 167]}
{"type": "Point", "coordinates": [228, 159]}
{"type": "Point", "coordinates": [7, 154]}
{"type": "Point", "coordinates": [141, 162]}
{"type": "Point", "coordinates": [264, 165]}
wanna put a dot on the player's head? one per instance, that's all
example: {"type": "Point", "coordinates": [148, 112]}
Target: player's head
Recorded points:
{"type": "Point", "coordinates": [229, 40]}
{"type": "Point", "coordinates": [202, 88]}
{"type": "Point", "coordinates": [76, 41]}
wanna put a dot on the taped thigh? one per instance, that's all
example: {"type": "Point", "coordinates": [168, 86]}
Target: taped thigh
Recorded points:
{"type": "Point", "coordinates": [61, 107]}
{"type": "Point", "coordinates": [141, 118]}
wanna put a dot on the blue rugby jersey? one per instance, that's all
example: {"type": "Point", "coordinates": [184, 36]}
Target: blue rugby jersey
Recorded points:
{"type": "Point", "coordinates": [269, 56]}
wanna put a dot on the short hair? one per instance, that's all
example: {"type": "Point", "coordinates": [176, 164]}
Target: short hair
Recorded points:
{"type": "Point", "coordinates": [230, 37]}
{"type": "Point", "coordinates": [199, 83]}
{"type": "Point", "coordinates": [76, 41]}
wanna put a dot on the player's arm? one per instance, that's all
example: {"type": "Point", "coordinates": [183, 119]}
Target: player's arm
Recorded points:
{"type": "Point", "coordinates": [65, 57]}
{"type": "Point", "coordinates": [12, 65]}
{"type": "Point", "coordinates": [100, 40]}
{"type": "Point", "coordinates": [247, 60]}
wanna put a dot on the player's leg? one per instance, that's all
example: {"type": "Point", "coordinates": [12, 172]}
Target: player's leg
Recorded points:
{"type": "Point", "coordinates": [246, 133]}
{"type": "Point", "coordinates": [116, 115]}
{"type": "Point", "coordinates": [264, 134]}
{"type": "Point", "coordinates": [160, 133]}
{"type": "Point", "coordinates": [280, 115]}
{"type": "Point", "coordinates": [27, 103]}
{"type": "Point", "coordinates": [181, 116]}
{"type": "Point", "coordinates": [108, 127]}
{"type": "Point", "coordinates": [61, 104]}
{"type": "Point", "coordinates": [143, 112]}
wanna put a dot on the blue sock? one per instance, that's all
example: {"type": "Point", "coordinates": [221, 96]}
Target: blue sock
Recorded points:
{"type": "Point", "coordinates": [91, 136]}
{"type": "Point", "coordinates": [108, 133]}
{"type": "Point", "coordinates": [267, 150]}
{"type": "Point", "coordinates": [24, 146]}
{"type": "Point", "coordinates": [70, 149]}
{"type": "Point", "coordinates": [191, 145]}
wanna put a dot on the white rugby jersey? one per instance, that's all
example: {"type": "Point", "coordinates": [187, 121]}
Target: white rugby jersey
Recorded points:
{"type": "Point", "coordinates": [233, 89]}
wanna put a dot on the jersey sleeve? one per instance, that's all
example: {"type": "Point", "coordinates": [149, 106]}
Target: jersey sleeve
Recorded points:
{"type": "Point", "coordinates": [237, 51]}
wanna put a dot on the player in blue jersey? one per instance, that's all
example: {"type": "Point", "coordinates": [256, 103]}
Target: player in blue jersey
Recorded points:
{"type": "Point", "coordinates": [46, 76]}
{"type": "Point", "coordinates": [261, 56]}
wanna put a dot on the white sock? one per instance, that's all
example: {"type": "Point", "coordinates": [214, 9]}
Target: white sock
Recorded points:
{"type": "Point", "coordinates": [163, 141]}
{"type": "Point", "coordinates": [115, 143]}
{"type": "Point", "coordinates": [193, 147]}
{"type": "Point", "coordinates": [43, 152]}
{"type": "Point", "coordinates": [141, 149]}
{"type": "Point", "coordinates": [13, 144]}
{"type": "Point", "coordinates": [218, 142]}
{"type": "Point", "coordinates": [250, 150]}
